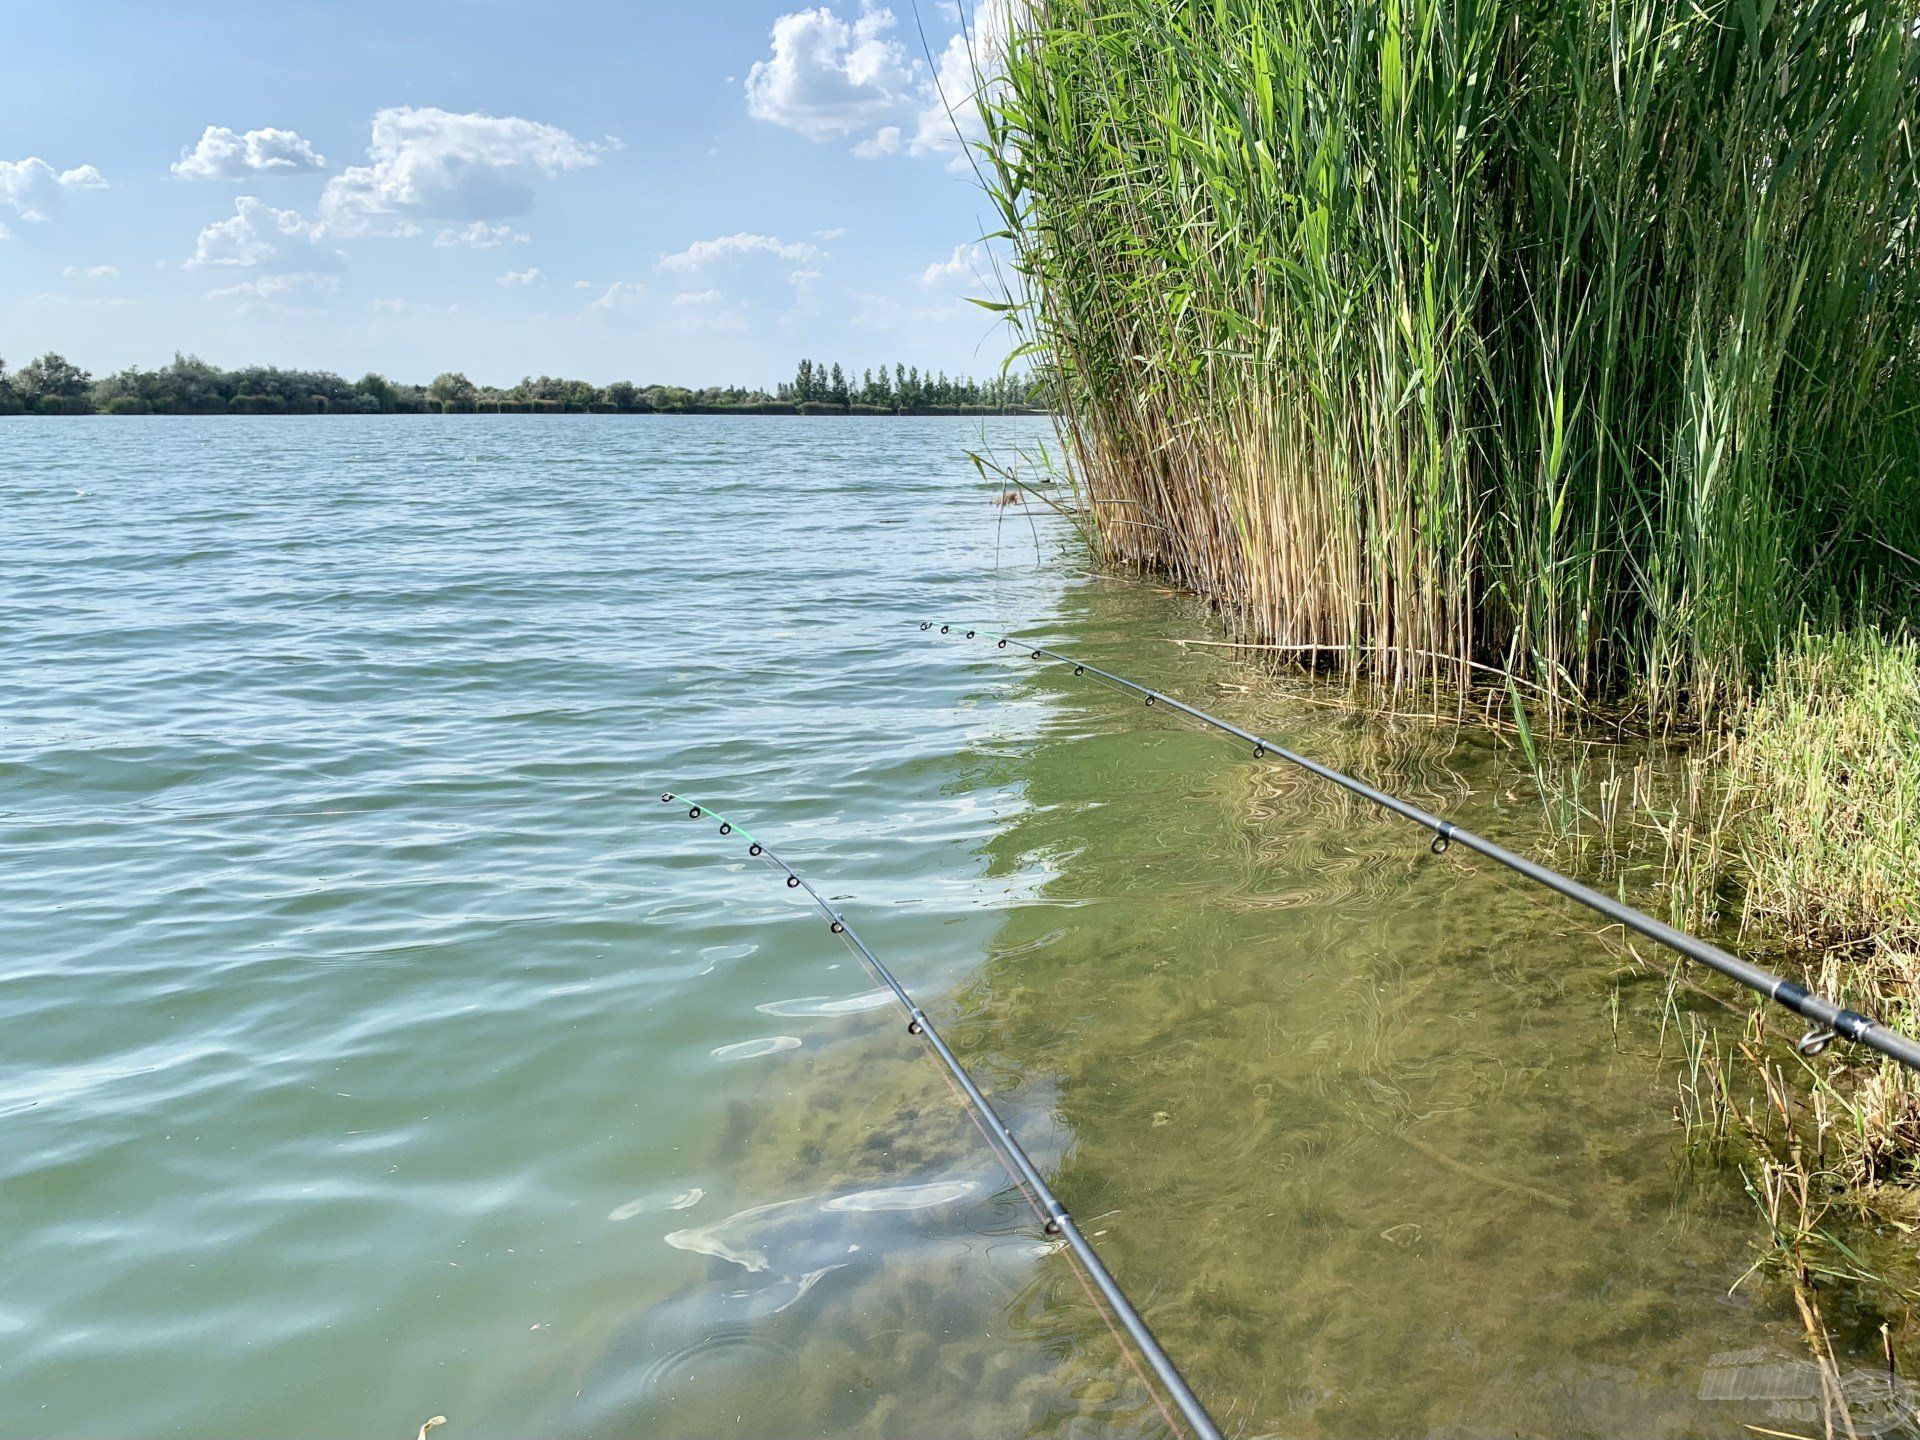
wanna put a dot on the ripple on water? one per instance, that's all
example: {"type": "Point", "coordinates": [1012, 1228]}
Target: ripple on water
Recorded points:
{"type": "Point", "coordinates": [329, 754]}
{"type": "Point", "coordinates": [725, 1350]}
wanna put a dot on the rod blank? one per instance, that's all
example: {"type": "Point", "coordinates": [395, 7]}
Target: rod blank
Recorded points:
{"type": "Point", "coordinates": [1829, 1019]}
{"type": "Point", "coordinates": [1053, 1215]}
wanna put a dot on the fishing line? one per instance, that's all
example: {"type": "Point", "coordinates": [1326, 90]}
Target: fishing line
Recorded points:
{"type": "Point", "coordinates": [1053, 1215]}
{"type": "Point", "coordinates": [1830, 1021]}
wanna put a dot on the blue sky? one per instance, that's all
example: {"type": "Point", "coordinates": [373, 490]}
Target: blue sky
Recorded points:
{"type": "Point", "coordinates": [686, 193]}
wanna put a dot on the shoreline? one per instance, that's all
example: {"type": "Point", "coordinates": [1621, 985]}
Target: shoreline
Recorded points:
{"type": "Point", "coordinates": [770, 412]}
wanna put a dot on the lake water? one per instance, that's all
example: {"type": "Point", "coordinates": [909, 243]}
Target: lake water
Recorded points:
{"type": "Point", "coordinates": [376, 1045]}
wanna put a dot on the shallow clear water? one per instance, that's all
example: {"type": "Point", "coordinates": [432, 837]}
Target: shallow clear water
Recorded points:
{"type": "Point", "coordinates": [376, 1045]}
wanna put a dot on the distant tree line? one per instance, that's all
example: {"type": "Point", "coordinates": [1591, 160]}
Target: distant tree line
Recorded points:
{"type": "Point", "coordinates": [52, 385]}
{"type": "Point", "coordinates": [905, 389]}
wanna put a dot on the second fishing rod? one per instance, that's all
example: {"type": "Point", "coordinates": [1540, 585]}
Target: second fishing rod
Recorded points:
{"type": "Point", "coordinates": [1053, 1214]}
{"type": "Point", "coordinates": [1829, 1020]}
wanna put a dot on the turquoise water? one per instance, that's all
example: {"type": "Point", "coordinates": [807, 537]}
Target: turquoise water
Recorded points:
{"type": "Point", "coordinates": [377, 1046]}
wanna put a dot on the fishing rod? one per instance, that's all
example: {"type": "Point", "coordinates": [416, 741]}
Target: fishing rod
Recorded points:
{"type": "Point", "coordinates": [1053, 1215]}
{"type": "Point", "coordinates": [1830, 1021]}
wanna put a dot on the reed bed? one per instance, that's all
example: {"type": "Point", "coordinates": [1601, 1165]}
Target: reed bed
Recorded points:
{"type": "Point", "coordinates": [1572, 339]}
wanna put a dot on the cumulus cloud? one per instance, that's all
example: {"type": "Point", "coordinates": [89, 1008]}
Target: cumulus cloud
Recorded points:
{"type": "Point", "coordinates": [887, 140]}
{"type": "Point", "coordinates": [964, 264]}
{"type": "Point", "coordinates": [34, 190]}
{"type": "Point", "coordinates": [221, 154]}
{"type": "Point", "coordinates": [257, 235]}
{"type": "Point", "coordinates": [829, 79]}
{"type": "Point", "coordinates": [5, 233]}
{"type": "Point", "coordinates": [949, 117]}
{"type": "Point", "coordinates": [91, 272]}
{"type": "Point", "coordinates": [431, 164]}
{"type": "Point", "coordinates": [703, 253]}
{"type": "Point", "coordinates": [480, 236]}
{"type": "Point", "coordinates": [833, 79]}
{"type": "Point", "coordinates": [518, 279]}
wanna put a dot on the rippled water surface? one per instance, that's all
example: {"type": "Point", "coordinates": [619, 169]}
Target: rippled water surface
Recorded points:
{"type": "Point", "coordinates": [376, 1045]}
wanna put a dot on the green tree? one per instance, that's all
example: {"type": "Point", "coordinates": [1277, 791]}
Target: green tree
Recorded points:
{"type": "Point", "coordinates": [453, 391]}
{"type": "Point", "coordinates": [379, 390]}
{"type": "Point", "coordinates": [51, 377]}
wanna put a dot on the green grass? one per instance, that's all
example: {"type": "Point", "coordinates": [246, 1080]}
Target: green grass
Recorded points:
{"type": "Point", "coordinates": [1825, 772]}
{"type": "Point", "coordinates": [1574, 339]}
{"type": "Point", "coordinates": [1801, 825]}
{"type": "Point", "coordinates": [1829, 762]}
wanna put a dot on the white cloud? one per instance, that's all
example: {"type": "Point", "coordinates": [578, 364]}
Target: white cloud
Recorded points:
{"type": "Point", "coordinates": [949, 118]}
{"type": "Point", "coordinates": [887, 140]}
{"type": "Point", "coordinates": [583, 284]}
{"type": "Point", "coordinates": [621, 297]}
{"type": "Point", "coordinates": [734, 247]}
{"type": "Point", "coordinates": [517, 279]}
{"type": "Point", "coordinates": [828, 79]}
{"type": "Point", "coordinates": [91, 272]}
{"type": "Point", "coordinates": [256, 234]}
{"type": "Point", "coordinates": [963, 265]}
{"type": "Point", "coordinates": [834, 234]}
{"type": "Point", "coordinates": [690, 299]}
{"type": "Point", "coordinates": [279, 287]}
{"type": "Point", "coordinates": [86, 302]}
{"type": "Point", "coordinates": [34, 189]}
{"type": "Point", "coordinates": [833, 79]}
{"type": "Point", "coordinates": [480, 236]}
{"type": "Point", "coordinates": [220, 154]}
{"type": "Point", "coordinates": [434, 165]}
{"type": "Point", "coordinates": [5, 233]}
{"type": "Point", "coordinates": [400, 308]}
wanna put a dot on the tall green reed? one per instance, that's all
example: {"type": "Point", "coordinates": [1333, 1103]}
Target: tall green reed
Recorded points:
{"type": "Point", "coordinates": [1576, 339]}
